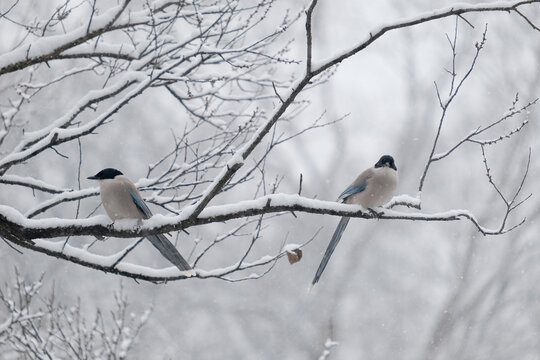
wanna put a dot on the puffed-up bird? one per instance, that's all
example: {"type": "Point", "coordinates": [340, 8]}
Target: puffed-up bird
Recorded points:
{"type": "Point", "coordinates": [122, 200]}
{"type": "Point", "coordinates": [372, 188]}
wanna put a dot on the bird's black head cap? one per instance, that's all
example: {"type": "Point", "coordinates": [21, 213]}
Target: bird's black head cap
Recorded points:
{"type": "Point", "coordinates": [386, 160]}
{"type": "Point", "coordinates": [108, 173]}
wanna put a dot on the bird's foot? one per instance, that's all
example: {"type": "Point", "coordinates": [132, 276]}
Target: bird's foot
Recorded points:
{"type": "Point", "coordinates": [374, 213]}
{"type": "Point", "coordinates": [138, 225]}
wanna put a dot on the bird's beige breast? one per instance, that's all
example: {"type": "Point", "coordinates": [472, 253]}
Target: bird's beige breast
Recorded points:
{"type": "Point", "coordinates": [117, 200]}
{"type": "Point", "coordinates": [379, 190]}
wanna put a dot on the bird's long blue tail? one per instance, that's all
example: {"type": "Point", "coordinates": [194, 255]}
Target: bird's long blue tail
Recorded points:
{"type": "Point", "coordinates": [331, 247]}
{"type": "Point", "coordinates": [167, 249]}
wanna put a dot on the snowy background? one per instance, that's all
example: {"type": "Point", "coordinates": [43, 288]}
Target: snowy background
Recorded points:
{"type": "Point", "coordinates": [393, 289]}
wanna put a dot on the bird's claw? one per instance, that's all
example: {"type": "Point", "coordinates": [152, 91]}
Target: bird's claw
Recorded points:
{"type": "Point", "coordinates": [374, 213]}
{"type": "Point", "coordinates": [138, 225]}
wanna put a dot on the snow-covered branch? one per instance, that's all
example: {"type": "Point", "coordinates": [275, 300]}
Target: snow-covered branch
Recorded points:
{"type": "Point", "coordinates": [28, 229]}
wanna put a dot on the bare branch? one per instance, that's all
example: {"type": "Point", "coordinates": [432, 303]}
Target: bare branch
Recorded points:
{"type": "Point", "coordinates": [509, 203]}
{"type": "Point", "coordinates": [309, 37]}
{"type": "Point", "coordinates": [527, 20]}
{"type": "Point", "coordinates": [452, 93]}
{"type": "Point", "coordinates": [420, 19]}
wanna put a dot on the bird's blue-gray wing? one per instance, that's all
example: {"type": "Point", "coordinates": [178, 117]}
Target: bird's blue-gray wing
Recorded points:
{"type": "Point", "coordinates": [358, 185]}
{"type": "Point", "coordinates": [160, 242]}
{"type": "Point", "coordinates": [331, 247]}
{"type": "Point", "coordinates": [351, 190]}
{"type": "Point", "coordinates": [141, 205]}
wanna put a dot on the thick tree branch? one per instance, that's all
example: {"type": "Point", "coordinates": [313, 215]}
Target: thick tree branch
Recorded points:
{"type": "Point", "coordinates": [14, 225]}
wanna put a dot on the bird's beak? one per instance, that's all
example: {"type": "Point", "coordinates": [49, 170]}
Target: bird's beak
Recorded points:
{"type": "Point", "coordinates": [92, 178]}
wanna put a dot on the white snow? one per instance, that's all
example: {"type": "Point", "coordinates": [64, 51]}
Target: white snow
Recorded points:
{"type": "Point", "coordinates": [405, 199]}
{"type": "Point", "coordinates": [50, 44]}
{"type": "Point", "coordinates": [62, 197]}
{"type": "Point", "coordinates": [16, 217]}
{"type": "Point", "coordinates": [236, 159]}
{"type": "Point", "coordinates": [277, 200]}
{"type": "Point", "coordinates": [29, 181]}
{"type": "Point", "coordinates": [108, 260]}
{"type": "Point", "coordinates": [290, 247]}
{"type": "Point", "coordinates": [220, 271]}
